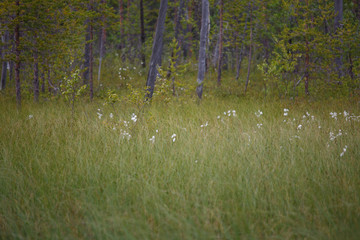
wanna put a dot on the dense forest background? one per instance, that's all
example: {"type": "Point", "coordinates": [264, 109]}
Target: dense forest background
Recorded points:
{"type": "Point", "coordinates": [283, 49]}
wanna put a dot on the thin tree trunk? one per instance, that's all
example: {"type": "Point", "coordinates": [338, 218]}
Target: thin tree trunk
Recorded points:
{"type": "Point", "coordinates": [86, 76]}
{"type": "Point", "coordinates": [91, 80]}
{"type": "Point", "coordinates": [241, 52]}
{"type": "Point", "coordinates": [338, 26]}
{"type": "Point", "coordinates": [4, 63]}
{"type": "Point", "coordinates": [250, 50]}
{"type": "Point", "coordinates": [17, 53]}
{"type": "Point", "coordinates": [202, 49]}
{"type": "Point", "coordinates": [220, 42]}
{"type": "Point", "coordinates": [36, 78]}
{"type": "Point", "coordinates": [102, 43]}
{"type": "Point", "coordinates": [142, 28]}
{"type": "Point", "coordinates": [155, 59]}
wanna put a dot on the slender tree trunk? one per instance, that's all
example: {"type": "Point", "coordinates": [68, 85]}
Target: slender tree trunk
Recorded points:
{"type": "Point", "coordinates": [241, 52]}
{"type": "Point", "coordinates": [102, 42]}
{"type": "Point", "coordinates": [189, 30]}
{"type": "Point", "coordinates": [17, 53]}
{"type": "Point", "coordinates": [155, 59]}
{"type": "Point", "coordinates": [202, 49]}
{"type": "Point", "coordinates": [220, 42]}
{"type": "Point", "coordinates": [86, 75]}
{"type": "Point", "coordinates": [250, 49]}
{"type": "Point", "coordinates": [129, 25]}
{"type": "Point", "coordinates": [307, 59]}
{"type": "Point", "coordinates": [338, 25]}
{"type": "Point", "coordinates": [43, 80]}
{"type": "Point", "coordinates": [4, 63]}
{"type": "Point", "coordinates": [36, 78]}
{"type": "Point", "coordinates": [142, 28]}
{"type": "Point", "coordinates": [91, 80]}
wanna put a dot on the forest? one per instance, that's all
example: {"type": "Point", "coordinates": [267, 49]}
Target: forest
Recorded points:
{"type": "Point", "coordinates": [179, 119]}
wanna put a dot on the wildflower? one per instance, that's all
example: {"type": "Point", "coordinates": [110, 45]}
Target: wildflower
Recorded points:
{"type": "Point", "coordinates": [344, 150]}
{"type": "Point", "coordinates": [157, 131]}
{"type": "Point", "coordinates": [114, 128]}
{"type": "Point", "coordinates": [152, 139]}
{"type": "Point", "coordinates": [111, 115]}
{"type": "Point", "coordinates": [218, 117]}
{"type": "Point", "coordinates": [99, 115]}
{"type": "Point", "coordinates": [206, 124]}
{"type": "Point", "coordinates": [259, 125]}
{"type": "Point", "coordinates": [173, 137]}
{"type": "Point", "coordinates": [333, 115]}
{"type": "Point", "coordinates": [299, 127]}
{"type": "Point", "coordinates": [286, 111]}
{"type": "Point", "coordinates": [134, 117]}
{"type": "Point", "coordinates": [258, 113]}
{"type": "Point", "coordinates": [31, 116]}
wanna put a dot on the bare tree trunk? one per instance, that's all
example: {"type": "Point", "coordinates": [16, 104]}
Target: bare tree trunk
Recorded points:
{"type": "Point", "coordinates": [338, 25]}
{"type": "Point", "coordinates": [36, 78]}
{"type": "Point", "coordinates": [91, 82]}
{"type": "Point", "coordinates": [155, 59]}
{"type": "Point", "coordinates": [250, 49]}
{"type": "Point", "coordinates": [17, 53]}
{"type": "Point", "coordinates": [142, 26]}
{"type": "Point", "coordinates": [241, 52]}
{"type": "Point", "coordinates": [220, 42]}
{"type": "Point", "coordinates": [102, 43]}
{"type": "Point", "coordinates": [86, 76]}
{"type": "Point", "coordinates": [202, 49]}
{"type": "Point", "coordinates": [4, 62]}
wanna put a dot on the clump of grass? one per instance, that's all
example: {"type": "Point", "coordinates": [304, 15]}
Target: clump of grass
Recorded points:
{"type": "Point", "coordinates": [227, 174]}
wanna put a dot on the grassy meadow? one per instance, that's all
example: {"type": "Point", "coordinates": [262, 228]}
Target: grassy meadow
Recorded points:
{"type": "Point", "coordinates": [236, 169]}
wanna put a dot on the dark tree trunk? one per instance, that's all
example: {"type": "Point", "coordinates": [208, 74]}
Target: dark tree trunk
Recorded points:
{"type": "Point", "coordinates": [250, 50]}
{"type": "Point", "coordinates": [86, 75]}
{"type": "Point", "coordinates": [241, 52]}
{"type": "Point", "coordinates": [142, 28]}
{"type": "Point", "coordinates": [17, 53]}
{"type": "Point", "coordinates": [121, 15]}
{"type": "Point", "coordinates": [155, 59]}
{"type": "Point", "coordinates": [43, 80]}
{"type": "Point", "coordinates": [91, 80]}
{"type": "Point", "coordinates": [36, 78]}
{"type": "Point", "coordinates": [102, 42]}
{"type": "Point", "coordinates": [220, 43]}
{"type": "Point", "coordinates": [202, 49]}
{"type": "Point", "coordinates": [338, 25]}
{"type": "Point", "coordinates": [4, 40]}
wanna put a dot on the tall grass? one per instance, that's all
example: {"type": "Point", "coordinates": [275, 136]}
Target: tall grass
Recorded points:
{"type": "Point", "coordinates": [64, 177]}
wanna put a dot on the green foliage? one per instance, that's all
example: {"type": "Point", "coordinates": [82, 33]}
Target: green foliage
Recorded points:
{"type": "Point", "coordinates": [282, 65]}
{"type": "Point", "coordinates": [72, 89]}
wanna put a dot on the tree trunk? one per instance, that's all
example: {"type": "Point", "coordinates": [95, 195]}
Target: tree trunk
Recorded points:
{"type": "Point", "coordinates": [17, 53]}
{"type": "Point", "coordinates": [86, 76]}
{"type": "Point", "coordinates": [241, 52]}
{"type": "Point", "coordinates": [91, 80]}
{"type": "Point", "coordinates": [4, 63]}
{"type": "Point", "coordinates": [36, 78]}
{"type": "Point", "coordinates": [155, 59]}
{"type": "Point", "coordinates": [102, 42]}
{"type": "Point", "coordinates": [338, 25]}
{"type": "Point", "coordinates": [142, 26]}
{"type": "Point", "coordinates": [220, 42]}
{"type": "Point", "coordinates": [250, 49]}
{"type": "Point", "coordinates": [202, 49]}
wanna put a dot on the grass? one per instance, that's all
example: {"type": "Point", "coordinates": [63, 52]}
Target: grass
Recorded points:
{"type": "Point", "coordinates": [78, 178]}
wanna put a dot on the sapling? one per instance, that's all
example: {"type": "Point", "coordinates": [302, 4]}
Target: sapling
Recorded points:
{"type": "Point", "coordinates": [72, 89]}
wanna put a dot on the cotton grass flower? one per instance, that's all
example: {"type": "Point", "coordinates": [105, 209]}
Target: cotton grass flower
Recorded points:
{"type": "Point", "coordinates": [344, 150]}
{"type": "Point", "coordinates": [258, 113]}
{"type": "Point", "coordinates": [152, 139]}
{"type": "Point", "coordinates": [286, 112]}
{"type": "Point", "coordinates": [31, 116]}
{"type": "Point", "coordinates": [133, 117]}
{"type": "Point", "coordinates": [173, 137]}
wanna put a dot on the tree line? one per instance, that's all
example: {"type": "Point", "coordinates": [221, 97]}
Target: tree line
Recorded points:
{"type": "Point", "coordinates": [298, 46]}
